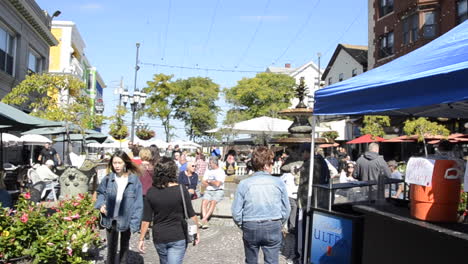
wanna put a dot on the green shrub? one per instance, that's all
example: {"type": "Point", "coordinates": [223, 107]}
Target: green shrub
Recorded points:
{"type": "Point", "coordinates": [63, 237]}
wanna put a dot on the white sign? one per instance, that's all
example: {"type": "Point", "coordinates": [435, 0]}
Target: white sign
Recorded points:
{"type": "Point", "coordinates": [465, 183]}
{"type": "Point", "coordinates": [419, 171]}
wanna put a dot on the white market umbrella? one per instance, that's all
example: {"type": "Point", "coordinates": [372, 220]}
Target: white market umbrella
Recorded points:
{"type": "Point", "coordinates": [259, 125]}
{"type": "Point", "coordinates": [186, 144]}
{"type": "Point", "coordinates": [33, 139]}
{"type": "Point", "coordinates": [10, 139]}
{"type": "Point", "coordinates": [158, 142]}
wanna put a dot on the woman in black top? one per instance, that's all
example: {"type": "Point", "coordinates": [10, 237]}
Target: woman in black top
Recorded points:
{"type": "Point", "coordinates": [163, 205]}
{"type": "Point", "coordinates": [189, 178]}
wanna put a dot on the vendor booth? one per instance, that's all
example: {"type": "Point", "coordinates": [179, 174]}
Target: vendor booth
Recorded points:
{"type": "Point", "coordinates": [431, 81]}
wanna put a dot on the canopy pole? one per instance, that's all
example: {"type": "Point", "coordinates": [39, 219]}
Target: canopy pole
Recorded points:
{"type": "Point", "coordinates": [309, 191]}
{"type": "Point", "coordinates": [1, 152]}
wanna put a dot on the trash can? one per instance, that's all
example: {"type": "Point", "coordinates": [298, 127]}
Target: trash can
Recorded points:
{"type": "Point", "coordinates": [438, 202]}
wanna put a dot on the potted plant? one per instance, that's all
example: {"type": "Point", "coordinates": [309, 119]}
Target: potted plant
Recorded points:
{"type": "Point", "coordinates": [118, 129]}
{"type": "Point", "coordinates": [144, 133]}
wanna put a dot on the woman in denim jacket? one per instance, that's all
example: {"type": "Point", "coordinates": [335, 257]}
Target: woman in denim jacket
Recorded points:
{"type": "Point", "coordinates": [120, 201]}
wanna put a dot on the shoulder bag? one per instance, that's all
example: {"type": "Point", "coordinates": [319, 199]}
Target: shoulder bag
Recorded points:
{"type": "Point", "coordinates": [190, 228]}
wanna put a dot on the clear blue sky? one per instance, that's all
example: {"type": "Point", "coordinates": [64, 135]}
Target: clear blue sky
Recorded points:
{"type": "Point", "coordinates": [243, 35]}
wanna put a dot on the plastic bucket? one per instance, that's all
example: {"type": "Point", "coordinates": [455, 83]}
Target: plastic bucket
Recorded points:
{"type": "Point", "coordinates": [439, 202]}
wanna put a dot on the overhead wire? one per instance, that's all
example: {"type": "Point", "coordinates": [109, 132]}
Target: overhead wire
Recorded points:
{"type": "Point", "coordinates": [344, 32]}
{"type": "Point", "coordinates": [298, 33]}
{"type": "Point", "coordinates": [252, 39]}
{"type": "Point", "coordinates": [196, 68]}
{"type": "Point", "coordinates": [213, 16]}
{"type": "Point", "coordinates": [167, 29]}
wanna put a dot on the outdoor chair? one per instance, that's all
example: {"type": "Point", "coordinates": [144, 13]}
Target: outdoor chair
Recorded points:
{"type": "Point", "coordinates": [48, 185]}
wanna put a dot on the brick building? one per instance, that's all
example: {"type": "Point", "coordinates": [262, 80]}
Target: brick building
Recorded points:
{"type": "Point", "coordinates": [397, 27]}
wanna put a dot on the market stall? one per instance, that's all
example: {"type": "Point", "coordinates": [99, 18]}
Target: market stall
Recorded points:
{"type": "Point", "coordinates": [431, 81]}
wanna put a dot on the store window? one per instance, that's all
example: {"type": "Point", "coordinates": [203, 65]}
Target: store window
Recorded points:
{"type": "Point", "coordinates": [386, 45]}
{"type": "Point", "coordinates": [410, 29]}
{"type": "Point", "coordinates": [462, 10]}
{"type": "Point", "coordinates": [430, 25]}
{"type": "Point", "coordinates": [340, 77]}
{"type": "Point", "coordinates": [7, 50]}
{"type": "Point", "coordinates": [354, 72]}
{"type": "Point", "coordinates": [34, 62]}
{"type": "Point", "coordinates": [386, 7]}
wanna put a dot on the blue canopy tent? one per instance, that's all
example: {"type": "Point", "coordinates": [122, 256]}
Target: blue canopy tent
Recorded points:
{"type": "Point", "coordinates": [431, 81]}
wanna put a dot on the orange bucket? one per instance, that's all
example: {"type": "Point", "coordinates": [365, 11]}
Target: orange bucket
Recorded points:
{"type": "Point", "coordinates": [438, 202]}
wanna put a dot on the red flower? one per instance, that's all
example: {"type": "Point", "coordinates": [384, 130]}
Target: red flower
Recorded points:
{"type": "Point", "coordinates": [67, 218]}
{"type": "Point", "coordinates": [27, 195]}
{"type": "Point", "coordinates": [80, 196]}
{"type": "Point", "coordinates": [24, 218]}
{"type": "Point", "coordinates": [76, 203]}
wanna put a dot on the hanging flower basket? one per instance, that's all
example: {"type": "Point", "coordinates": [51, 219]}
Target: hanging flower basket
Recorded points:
{"type": "Point", "coordinates": [145, 133]}
{"type": "Point", "coordinates": [118, 132]}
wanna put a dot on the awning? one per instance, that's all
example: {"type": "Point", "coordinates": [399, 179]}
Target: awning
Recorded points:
{"type": "Point", "coordinates": [431, 81]}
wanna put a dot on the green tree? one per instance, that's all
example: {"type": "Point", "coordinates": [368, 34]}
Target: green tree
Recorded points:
{"type": "Point", "coordinates": [423, 127]}
{"type": "Point", "coordinates": [263, 95]}
{"type": "Point", "coordinates": [330, 135]}
{"type": "Point", "coordinates": [47, 97]}
{"type": "Point", "coordinates": [195, 104]}
{"type": "Point", "coordinates": [161, 94]}
{"type": "Point", "coordinates": [374, 125]}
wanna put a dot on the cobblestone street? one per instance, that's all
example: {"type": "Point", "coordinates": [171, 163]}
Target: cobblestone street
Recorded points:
{"type": "Point", "coordinates": [221, 243]}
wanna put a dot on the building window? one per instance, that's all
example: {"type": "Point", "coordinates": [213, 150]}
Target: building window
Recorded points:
{"type": "Point", "coordinates": [462, 10]}
{"type": "Point", "coordinates": [34, 62]}
{"type": "Point", "coordinates": [410, 29]}
{"type": "Point", "coordinates": [7, 49]}
{"type": "Point", "coordinates": [340, 77]}
{"type": "Point", "coordinates": [430, 25]}
{"type": "Point", "coordinates": [386, 45]}
{"type": "Point", "coordinates": [386, 6]}
{"type": "Point", "coordinates": [329, 80]}
{"type": "Point", "coordinates": [354, 72]}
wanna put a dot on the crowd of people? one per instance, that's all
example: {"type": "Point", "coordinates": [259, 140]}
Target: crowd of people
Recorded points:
{"type": "Point", "coordinates": [143, 190]}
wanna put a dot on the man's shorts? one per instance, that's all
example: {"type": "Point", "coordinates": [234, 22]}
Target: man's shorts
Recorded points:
{"type": "Point", "coordinates": [213, 195]}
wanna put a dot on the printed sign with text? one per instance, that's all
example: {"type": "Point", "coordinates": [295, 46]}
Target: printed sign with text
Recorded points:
{"type": "Point", "coordinates": [419, 171]}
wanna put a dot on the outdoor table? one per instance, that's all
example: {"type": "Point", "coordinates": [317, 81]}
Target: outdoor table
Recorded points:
{"type": "Point", "coordinates": [331, 188]}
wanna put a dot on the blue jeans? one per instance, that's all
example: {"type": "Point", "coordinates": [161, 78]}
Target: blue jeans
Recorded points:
{"type": "Point", "coordinates": [172, 252]}
{"type": "Point", "coordinates": [265, 235]}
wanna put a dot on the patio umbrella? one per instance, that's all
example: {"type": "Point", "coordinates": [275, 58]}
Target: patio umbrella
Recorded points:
{"type": "Point", "coordinates": [367, 138]}
{"type": "Point", "coordinates": [32, 139]}
{"type": "Point", "coordinates": [400, 139]}
{"type": "Point", "coordinates": [328, 145]}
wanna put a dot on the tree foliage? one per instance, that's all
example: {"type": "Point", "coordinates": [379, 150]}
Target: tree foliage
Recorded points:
{"type": "Point", "coordinates": [195, 105]}
{"type": "Point", "coordinates": [161, 92]}
{"type": "Point", "coordinates": [190, 100]}
{"type": "Point", "coordinates": [374, 125]}
{"type": "Point", "coordinates": [330, 135]}
{"type": "Point", "coordinates": [422, 128]}
{"type": "Point", "coordinates": [47, 97]}
{"type": "Point", "coordinates": [263, 95]}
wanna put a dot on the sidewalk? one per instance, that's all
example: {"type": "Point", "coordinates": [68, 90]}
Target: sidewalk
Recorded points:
{"type": "Point", "coordinates": [221, 243]}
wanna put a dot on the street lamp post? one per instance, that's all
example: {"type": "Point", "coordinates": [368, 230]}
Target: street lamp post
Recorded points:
{"type": "Point", "coordinates": [137, 102]}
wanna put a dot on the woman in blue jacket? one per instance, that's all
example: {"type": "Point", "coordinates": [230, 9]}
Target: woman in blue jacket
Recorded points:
{"type": "Point", "coordinates": [120, 202]}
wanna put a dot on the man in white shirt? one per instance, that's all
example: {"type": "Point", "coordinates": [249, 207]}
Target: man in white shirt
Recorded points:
{"type": "Point", "coordinates": [45, 172]}
{"type": "Point", "coordinates": [213, 180]}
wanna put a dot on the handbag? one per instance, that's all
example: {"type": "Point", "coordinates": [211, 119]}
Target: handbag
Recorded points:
{"type": "Point", "coordinates": [190, 228]}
